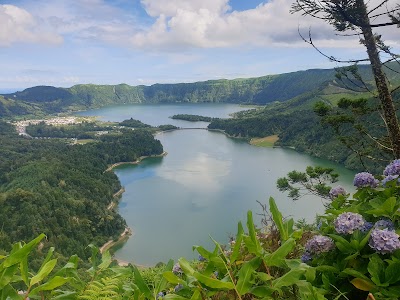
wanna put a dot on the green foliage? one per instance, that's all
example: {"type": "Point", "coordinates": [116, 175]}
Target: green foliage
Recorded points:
{"type": "Point", "coordinates": [192, 118]}
{"type": "Point", "coordinates": [262, 90]}
{"type": "Point", "coordinates": [83, 130]}
{"type": "Point", "coordinates": [167, 127]}
{"type": "Point", "coordinates": [62, 190]}
{"type": "Point", "coordinates": [256, 265]}
{"type": "Point", "coordinates": [133, 123]}
{"type": "Point", "coordinates": [314, 181]}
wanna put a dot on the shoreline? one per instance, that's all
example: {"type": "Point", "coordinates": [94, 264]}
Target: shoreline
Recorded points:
{"type": "Point", "coordinates": [124, 235]}
{"type": "Point", "coordinates": [136, 162]}
{"type": "Point", "coordinates": [128, 231]}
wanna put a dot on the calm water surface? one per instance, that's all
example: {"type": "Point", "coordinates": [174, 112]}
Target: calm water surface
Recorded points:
{"type": "Point", "coordinates": [203, 187]}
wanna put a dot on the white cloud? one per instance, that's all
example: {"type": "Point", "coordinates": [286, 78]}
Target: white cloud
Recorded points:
{"type": "Point", "coordinates": [170, 8]}
{"type": "Point", "coordinates": [184, 24]}
{"type": "Point", "coordinates": [18, 25]}
{"type": "Point", "coordinates": [208, 24]}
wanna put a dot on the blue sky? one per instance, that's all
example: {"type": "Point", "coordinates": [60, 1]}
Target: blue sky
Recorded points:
{"type": "Point", "coordinates": [67, 42]}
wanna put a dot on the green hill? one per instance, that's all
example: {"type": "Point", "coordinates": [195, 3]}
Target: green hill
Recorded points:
{"type": "Point", "coordinates": [261, 91]}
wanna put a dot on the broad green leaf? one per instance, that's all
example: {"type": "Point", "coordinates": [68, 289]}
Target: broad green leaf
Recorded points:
{"type": "Point", "coordinates": [9, 293]}
{"type": "Point", "coordinates": [288, 278]}
{"type": "Point", "coordinates": [264, 276]}
{"type": "Point", "coordinates": [7, 275]}
{"type": "Point", "coordinates": [389, 205]}
{"type": "Point", "coordinates": [363, 284]}
{"type": "Point", "coordinates": [376, 267]}
{"type": "Point", "coordinates": [18, 255]}
{"type": "Point", "coordinates": [310, 274]}
{"type": "Point", "coordinates": [309, 292]}
{"type": "Point", "coordinates": [354, 273]}
{"type": "Point", "coordinates": [276, 259]}
{"type": "Point", "coordinates": [163, 282]}
{"type": "Point", "coordinates": [141, 283]}
{"type": "Point", "coordinates": [252, 232]}
{"type": "Point", "coordinates": [50, 285]}
{"type": "Point", "coordinates": [172, 278]}
{"type": "Point", "coordinates": [263, 291]}
{"type": "Point", "coordinates": [364, 241]}
{"type": "Point", "coordinates": [277, 217]}
{"type": "Point", "coordinates": [288, 227]}
{"type": "Point", "coordinates": [196, 295]}
{"type": "Point", "coordinates": [48, 256]}
{"type": "Point", "coordinates": [23, 267]}
{"type": "Point", "coordinates": [238, 243]}
{"type": "Point", "coordinates": [43, 272]}
{"type": "Point", "coordinates": [203, 252]}
{"type": "Point", "coordinates": [106, 260]}
{"type": "Point", "coordinates": [342, 244]}
{"type": "Point", "coordinates": [69, 269]}
{"type": "Point", "coordinates": [218, 262]}
{"type": "Point", "coordinates": [213, 283]}
{"type": "Point", "coordinates": [185, 265]}
{"type": "Point", "coordinates": [174, 297]}
{"type": "Point", "coordinates": [245, 274]}
{"type": "Point", "coordinates": [392, 273]}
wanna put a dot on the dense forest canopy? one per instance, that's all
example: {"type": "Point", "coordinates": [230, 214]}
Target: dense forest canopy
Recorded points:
{"type": "Point", "coordinates": [61, 189]}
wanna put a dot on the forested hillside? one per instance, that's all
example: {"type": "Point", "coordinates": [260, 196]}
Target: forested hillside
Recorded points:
{"type": "Point", "coordinates": [261, 90]}
{"type": "Point", "coordinates": [298, 127]}
{"type": "Point", "coordinates": [54, 187]}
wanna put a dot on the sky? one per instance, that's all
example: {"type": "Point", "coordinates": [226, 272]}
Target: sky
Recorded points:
{"type": "Point", "coordinates": [67, 42]}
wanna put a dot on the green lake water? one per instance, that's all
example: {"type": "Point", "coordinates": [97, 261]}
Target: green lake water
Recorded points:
{"type": "Point", "coordinates": [203, 187]}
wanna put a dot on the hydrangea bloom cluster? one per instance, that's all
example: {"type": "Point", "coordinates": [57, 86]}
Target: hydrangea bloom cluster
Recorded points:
{"type": "Point", "coordinates": [316, 245]}
{"type": "Point", "coordinates": [306, 257]}
{"type": "Point", "coordinates": [348, 222]}
{"type": "Point", "coordinates": [384, 241]}
{"type": "Point", "coordinates": [177, 269]}
{"type": "Point", "coordinates": [389, 178]}
{"type": "Point", "coordinates": [367, 227]}
{"type": "Point", "coordinates": [160, 295]}
{"type": "Point", "coordinates": [336, 191]}
{"type": "Point", "coordinates": [393, 168]}
{"type": "Point", "coordinates": [178, 287]}
{"type": "Point", "coordinates": [365, 179]}
{"type": "Point", "coordinates": [319, 244]}
{"type": "Point", "coordinates": [201, 258]}
{"type": "Point", "coordinates": [384, 224]}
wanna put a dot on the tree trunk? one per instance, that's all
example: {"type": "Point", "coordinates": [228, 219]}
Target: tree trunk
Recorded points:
{"type": "Point", "coordinates": [389, 111]}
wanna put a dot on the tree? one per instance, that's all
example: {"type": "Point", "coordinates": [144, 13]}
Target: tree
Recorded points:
{"type": "Point", "coordinates": [355, 16]}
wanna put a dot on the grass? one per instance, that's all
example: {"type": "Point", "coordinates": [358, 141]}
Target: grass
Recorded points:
{"type": "Point", "coordinates": [268, 141]}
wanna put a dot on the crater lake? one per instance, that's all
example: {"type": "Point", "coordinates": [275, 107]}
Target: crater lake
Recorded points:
{"type": "Point", "coordinates": [204, 186]}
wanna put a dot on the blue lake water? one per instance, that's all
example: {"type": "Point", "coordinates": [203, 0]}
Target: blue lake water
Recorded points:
{"type": "Point", "coordinates": [203, 187]}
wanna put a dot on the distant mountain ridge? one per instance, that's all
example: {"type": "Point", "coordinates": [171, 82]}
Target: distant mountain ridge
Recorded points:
{"type": "Point", "coordinates": [260, 90]}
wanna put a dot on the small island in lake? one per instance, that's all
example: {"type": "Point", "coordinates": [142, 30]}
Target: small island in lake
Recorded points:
{"type": "Point", "coordinates": [192, 118]}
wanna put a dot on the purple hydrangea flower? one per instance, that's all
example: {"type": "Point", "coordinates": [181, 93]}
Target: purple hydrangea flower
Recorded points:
{"type": "Point", "coordinates": [319, 244]}
{"type": "Point", "coordinates": [393, 168]}
{"type": "Point", "coordinates": [177, 269]}
{"type": "Point", "coordinates": [388, 179]}
{"type": "Point", "coordinates": [365, 179]}
{"type": "Point", "coordinates": [384, 241]}
{"type": "Point", "coordinates": [367, 227]}
{"type": "Point", "coordinates": [178, 287]}
{"type": "Point", "coordinates": [336, 191]}
{"type": "Point", "coordinates": [348, 222]}
{"type": "Point", "coordinates": [201, 258]}
{"type": "Point", "coordinates": [306, 257]}
{"type": "Point", "coordinates": [160, 295]}
{"type": "Point", "coordinates": [384, 224]}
